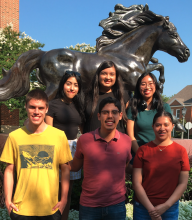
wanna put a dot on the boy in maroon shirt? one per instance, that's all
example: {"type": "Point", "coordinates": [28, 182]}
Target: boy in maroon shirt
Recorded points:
{"type": "Point", "coordinates": [104, 155]}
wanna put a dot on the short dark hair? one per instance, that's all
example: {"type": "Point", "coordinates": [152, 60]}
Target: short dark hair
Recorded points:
{"type": "Point", "coordinates": [162, 113]}
{"type": "Point", "coordinates": [109, 100]}
{"type": "Point", "coordinates": [37, 94]}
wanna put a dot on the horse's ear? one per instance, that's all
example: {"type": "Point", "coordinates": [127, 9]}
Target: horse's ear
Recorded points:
{"type": "Point", "coordinates": [166, 22]}
{"type": "Point", "coordinates": [146, 8]}
{"type": "Point", "coordinates": [167, 18]}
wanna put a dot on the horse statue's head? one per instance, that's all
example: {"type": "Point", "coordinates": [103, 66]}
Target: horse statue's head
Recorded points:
{"type": "Point", "coordinates": [170, 42]}
{"type": "Point", "coordinates": [126, 20]}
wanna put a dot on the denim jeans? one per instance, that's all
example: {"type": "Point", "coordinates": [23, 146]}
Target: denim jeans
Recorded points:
{"type": "Point", "coordinates": [141, 213]}
{"type": "Point", "coordinates": [113, 212]}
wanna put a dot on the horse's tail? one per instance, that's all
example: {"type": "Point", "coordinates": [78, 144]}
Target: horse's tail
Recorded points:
{"type": "Point", "coordinates": [16, 81]}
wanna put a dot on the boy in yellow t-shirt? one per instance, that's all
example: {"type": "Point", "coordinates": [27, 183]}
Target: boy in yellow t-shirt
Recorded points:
{"type": "Point", "coordinates": [36, 151]}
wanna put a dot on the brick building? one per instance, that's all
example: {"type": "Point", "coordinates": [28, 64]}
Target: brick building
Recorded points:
{"type": "Point", "coordinates": [9, 13]}
{"type": "Point", "coordinates": [180, 100]}
{"type": "Point", "coordinates": [9, 120]}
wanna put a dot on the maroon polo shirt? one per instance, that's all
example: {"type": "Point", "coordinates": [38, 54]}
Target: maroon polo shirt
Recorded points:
{"type": "Point", "coordinates": [104, 168]}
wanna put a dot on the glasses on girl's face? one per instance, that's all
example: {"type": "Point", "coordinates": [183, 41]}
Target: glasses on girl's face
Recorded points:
{"type": "Point", "coordinates": [113, 112]}
{"type": "Point", "coordinates": [68, 72]}
{"type": "Point", "coordinates": [144, 85]}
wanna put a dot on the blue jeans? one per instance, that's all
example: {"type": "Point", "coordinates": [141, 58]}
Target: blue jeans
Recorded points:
{"type": "Point", "coordinates": [141, 213]}
{"type": "Point", "coordinates": [113, 212]}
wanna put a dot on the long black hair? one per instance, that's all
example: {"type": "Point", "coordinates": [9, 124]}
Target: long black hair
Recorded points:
{"type": "Point", "coordinates": [92, 94]}
{"type": "Point", "coordinates": [135, 102]}
{"type": "Point", "coordinates": [78, 99]}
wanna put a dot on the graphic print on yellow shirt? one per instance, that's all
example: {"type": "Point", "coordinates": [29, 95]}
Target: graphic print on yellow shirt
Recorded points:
{"type": "Point", "coordinates": [36, 156]}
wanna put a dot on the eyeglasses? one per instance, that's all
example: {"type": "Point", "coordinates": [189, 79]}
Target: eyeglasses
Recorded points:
{"type": "Point", "coordinates": [113, 112]}
{"type": "Point", "coordinates": [68, 72]}
{"type": "Point", "coordinates": [150, 85]}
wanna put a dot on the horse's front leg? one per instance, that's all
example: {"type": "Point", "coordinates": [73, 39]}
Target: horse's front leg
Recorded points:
{"type": "Point", "coordinates": [160, 68]}
{"type": "Point", "coordinates": [51, 90]}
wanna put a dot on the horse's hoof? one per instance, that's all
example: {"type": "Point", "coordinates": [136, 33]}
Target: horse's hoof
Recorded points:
{"type": "Point", "coordinates": [162, 79]}
{"type": "Point", "coordinates": [161, 87]}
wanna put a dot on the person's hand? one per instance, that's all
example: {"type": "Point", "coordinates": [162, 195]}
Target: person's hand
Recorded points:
{"type": "Point", "coordinates": [11, 206]}
{"type": "Point", "coordinates": [60, 205]}
{"type": "Point", "coordinates": [161, 208]}
{"type": "Point", "coordinates": [154, 214]}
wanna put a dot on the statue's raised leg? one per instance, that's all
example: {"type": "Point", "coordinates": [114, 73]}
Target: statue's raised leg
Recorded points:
{"type": "Point", "coordinates": [160, 68]}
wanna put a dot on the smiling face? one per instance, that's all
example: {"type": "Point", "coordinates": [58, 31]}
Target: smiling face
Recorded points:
{"type": "Point", "coordinates": [71, 88]}
{"type": "Point", "coordinates": [147, 87]}
{"type": "Point", "coordinates": [36, 110]}
{"type": "Point", "coordinates": [163, 128]}
{"type": "Point", "coordinates": [107, 78]}
{"type": "Point", "coordinates": [109, 117]}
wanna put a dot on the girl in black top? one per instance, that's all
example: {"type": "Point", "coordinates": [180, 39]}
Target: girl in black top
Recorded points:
{"type": "Point", "coordinates": [106, 83]}
{"type": "Point", "coordinates": [66, 113]}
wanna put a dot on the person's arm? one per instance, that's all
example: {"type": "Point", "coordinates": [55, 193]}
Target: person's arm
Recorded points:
{"type": "Point", "coordinates": [76, 164]}
{"type": "Point", "coordinates": [126, 105]}
{"type": "Point", "coordinates": [8, 187]}
{"type": "Point", "coordinates": [141, 194]}
{"type": "Point", "coordinates": [49, 120]}
{"type": "Point", "coordinates": [130, 132]}
{"type": "Point", "coordinates": [65, 178]}
{"type": "Point", "coordinates": [181, 187]}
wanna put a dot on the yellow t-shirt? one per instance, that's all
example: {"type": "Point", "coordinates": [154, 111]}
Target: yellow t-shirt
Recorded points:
{"type": "Point", "coordinates": [36, 158]}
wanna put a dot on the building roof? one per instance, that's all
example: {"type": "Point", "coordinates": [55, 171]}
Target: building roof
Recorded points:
{"type": "Point", "coordinates": [184, 96]}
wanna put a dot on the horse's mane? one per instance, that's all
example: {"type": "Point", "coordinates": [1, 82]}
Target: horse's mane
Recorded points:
{"type": "Point", "coordinates": [124, 20]}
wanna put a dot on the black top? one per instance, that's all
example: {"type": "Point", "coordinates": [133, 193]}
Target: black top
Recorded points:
{"type": "Point", "coordinates": [65, 117]}
{"type": "Point", "coordinates": [93, 123]}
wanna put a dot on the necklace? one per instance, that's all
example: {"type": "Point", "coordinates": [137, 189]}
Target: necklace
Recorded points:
{"type": "Point", "coordinates": [161, 149]}
{"type": "Point", "coordinates": [66, 102]}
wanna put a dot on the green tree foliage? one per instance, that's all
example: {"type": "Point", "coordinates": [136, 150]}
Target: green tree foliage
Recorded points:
{"type": "Point", "coordinates": [12, 45]}
{"type": "Point", "coordinates": [83, 48]}
{"type": "Point", "coordinates": [166, 98]}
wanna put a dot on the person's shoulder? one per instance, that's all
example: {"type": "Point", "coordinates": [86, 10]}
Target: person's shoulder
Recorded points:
{"type": "Point", "coordinates": [124, 139]}
{"type": "Point", "coordinates": [54, 131]}
{"type": "Point", "coordinates": [87, 135]}
{"type": "Point", "coordinates": [124, 136]}
{"type": "Point", "coordinates": [167, 107]}
{"type": "Point", "coordinates": [54, 105]}
{"type": "Point", "coordinates": [178, 147]}
{"type": "Point", "coordinates": [146, 146]}
{"type": "Point", "coordinates": [18, 132]}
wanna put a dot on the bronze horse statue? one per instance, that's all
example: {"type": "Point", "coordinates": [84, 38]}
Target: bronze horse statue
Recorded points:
{"type": "Point", "coordinates": [130, 38]}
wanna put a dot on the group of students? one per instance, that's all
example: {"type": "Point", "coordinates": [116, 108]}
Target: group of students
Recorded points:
{"type": "Point", "coordinates": [112, 125]}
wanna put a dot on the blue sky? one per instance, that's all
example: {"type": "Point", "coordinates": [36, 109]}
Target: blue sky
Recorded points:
{"type": "Point", "coordinates": [62, 23]}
